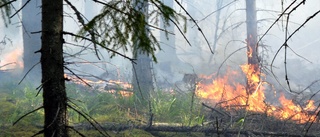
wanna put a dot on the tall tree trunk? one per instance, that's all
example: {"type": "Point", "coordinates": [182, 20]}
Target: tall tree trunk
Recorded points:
{"type": "Point", "coordinates": [31, 19]}
{"type": "Point", "coordinates": [252, 44]}
{"type": "Point", "coordinates": [142, 76]}
{"type": "Point", "coordinates": [54, 93]}
{"type": "Point", "coordinates": [217, 27]}
{"type": "Point", "coordinates": [167, 56]}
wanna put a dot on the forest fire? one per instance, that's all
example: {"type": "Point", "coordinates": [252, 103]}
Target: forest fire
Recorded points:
{"type": "Point", "coordinates": [12, 60]}
{"type": "Point", "coordinates": [225, 92]}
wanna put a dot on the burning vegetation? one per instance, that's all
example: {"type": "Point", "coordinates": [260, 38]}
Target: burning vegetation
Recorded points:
{"type": "Point", "coordinates": [227, 93]}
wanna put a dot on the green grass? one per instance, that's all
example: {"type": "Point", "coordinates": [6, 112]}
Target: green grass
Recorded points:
{"type": "Point", "coordinates": [16, 101]}
{"type": "Point", "coordinates": [176, 108]}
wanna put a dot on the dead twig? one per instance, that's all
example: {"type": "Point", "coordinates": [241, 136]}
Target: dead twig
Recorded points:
{"type": "Point", "coordinates": [92, 122]}
{"type": "Point", "coordinates": [216, 110]}
{"type": "Point", "coordinates": [198, 27]}
{"type": "Point", "coordinates": [27, 115]}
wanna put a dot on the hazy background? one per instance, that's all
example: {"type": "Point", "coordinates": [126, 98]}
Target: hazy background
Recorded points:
{"type": "Point", "coordinates": [198, 58]}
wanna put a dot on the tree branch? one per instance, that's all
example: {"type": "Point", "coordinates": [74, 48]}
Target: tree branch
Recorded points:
{"type": "Point", "coordinates": [111, 50]}
{"type": "Point", "coordinates": [196, 25]}
{"type": "Point", "coordinates": [88, 117]}
{"type": "Point", "coordinates": [5, 4]}
{"type": "Point", "coordinates": [122, 127]}
{"type": "Point", "coordinates": [26, 115]}
{"type": "Point", "coordinates": [20, 9]}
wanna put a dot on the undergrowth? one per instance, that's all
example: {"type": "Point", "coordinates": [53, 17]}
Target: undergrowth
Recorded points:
{"type": "Point", "coordinates": [104, 107]}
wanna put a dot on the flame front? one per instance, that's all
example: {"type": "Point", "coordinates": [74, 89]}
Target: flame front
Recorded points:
{"type": "Point", "coordinates": [226, 92]}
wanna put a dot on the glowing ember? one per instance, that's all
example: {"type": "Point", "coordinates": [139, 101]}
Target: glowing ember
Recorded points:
{"type": "Point", "coordinates": [227, 93]}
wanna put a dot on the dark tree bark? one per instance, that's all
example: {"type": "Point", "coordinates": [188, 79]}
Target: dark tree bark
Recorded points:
{"type": "Point", "coordinates": [54, 93]}
{"type": "Point", "coordinates": [252, 44]}
{"type": "Point", "coordinates": [31, 19]}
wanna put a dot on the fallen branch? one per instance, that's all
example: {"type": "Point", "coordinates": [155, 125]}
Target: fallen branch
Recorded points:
{"type": "Point", "coordinates": [216, 110]}
{"type": "Point", "coordinates": [202, 129]}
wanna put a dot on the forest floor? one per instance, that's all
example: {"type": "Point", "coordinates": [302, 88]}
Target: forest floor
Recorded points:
{"type": "Point", "coordinates": [173, 115]}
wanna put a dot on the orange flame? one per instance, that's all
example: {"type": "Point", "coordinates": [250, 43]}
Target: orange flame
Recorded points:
{"type": "Point", "coordinates": [249, 53]}
{"type": "Point", "coordinates": [12, 60]}
{"type": "Point", "coordinates": [227, 93]}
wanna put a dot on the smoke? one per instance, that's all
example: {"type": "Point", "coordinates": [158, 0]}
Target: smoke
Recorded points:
{"type": "Point", "coordinates": [11, 48]}
{"type": "Point", "coordinates": [302, 56]}
{"type": "Point", "coordinates": [85, 62]}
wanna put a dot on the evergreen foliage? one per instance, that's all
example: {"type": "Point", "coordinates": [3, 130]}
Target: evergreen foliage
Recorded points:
{"type": "Point", "coordinates": [121, 24]}
{"type": "Point", "coordinates": [5, 10]}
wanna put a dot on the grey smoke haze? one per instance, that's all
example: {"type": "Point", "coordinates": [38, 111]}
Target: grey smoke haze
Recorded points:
{"type": "Point", "coordinates": [197, 58]}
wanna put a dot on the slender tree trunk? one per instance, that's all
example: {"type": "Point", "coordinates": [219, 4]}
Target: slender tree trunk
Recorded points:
{"type": "Point", "coordinates": [31, 19]}
{"type": "Point", "coordinates": [54, 93]}
{"type": "Point", "coordinates": [142, 76]}
{"type": "Point", "coordinates": [167, 56]}
{"type": "Point", "coordinates": [217, 27]}
{"type": "Point", "coordinates": [252, 44]}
